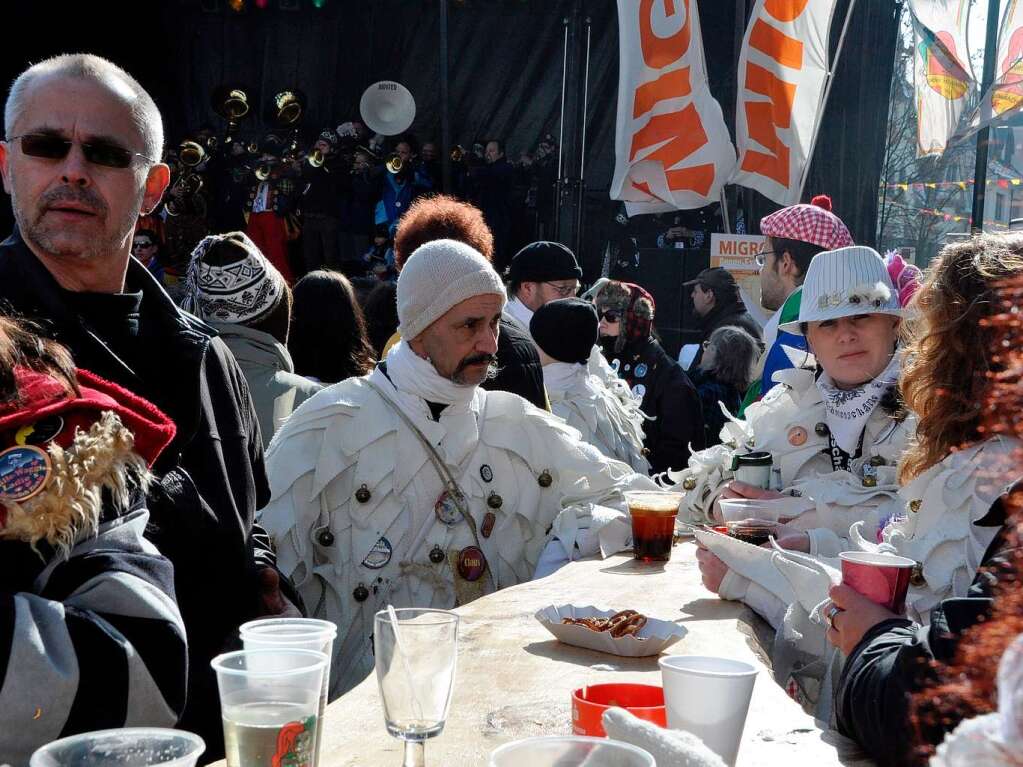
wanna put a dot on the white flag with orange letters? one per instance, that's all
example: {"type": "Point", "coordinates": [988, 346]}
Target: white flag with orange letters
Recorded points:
{"type": "Point", "coordinates": [942, 77]}
{"type": "Point", "coordinates": [672, 147]}
{"type": "Point", "coordinates": [783, 66]}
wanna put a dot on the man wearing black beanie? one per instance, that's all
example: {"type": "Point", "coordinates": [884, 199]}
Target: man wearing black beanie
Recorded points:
{"type": "Point", "coordinates": [541, 272]}
{"type": "Point", "coordinates": [565, 332]}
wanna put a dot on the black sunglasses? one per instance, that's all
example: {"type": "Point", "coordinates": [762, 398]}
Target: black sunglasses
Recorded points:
{"type": "Point", "coordinates": [56, 148]}
{"type": "Point", "coordinates": [610, 316]}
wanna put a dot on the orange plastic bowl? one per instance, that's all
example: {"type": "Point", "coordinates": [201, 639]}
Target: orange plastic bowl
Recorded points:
{"type": "Point", "coordinates": [644, 701]}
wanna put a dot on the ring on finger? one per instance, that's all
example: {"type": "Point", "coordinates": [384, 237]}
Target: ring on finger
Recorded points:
{"type": "Point", "coordinates": [830, 614]}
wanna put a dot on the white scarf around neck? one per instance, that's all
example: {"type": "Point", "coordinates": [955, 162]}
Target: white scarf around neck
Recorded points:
{"type": "Point", "coordinates": [846, 411]}
{"type": "Point", "coordinates": [412, 374]}
{"type": "Point", "coordinates": [520, 313]}
{"type": "Point", "coordinates": [559, 376]}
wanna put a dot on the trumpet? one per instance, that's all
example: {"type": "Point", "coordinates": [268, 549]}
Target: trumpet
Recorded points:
{"type": "Point", "coordinates": [263, 171]}
{"type": "Point", "coordinates": [184, 194]}
{"type": "Point", "coordinates": [458, 153]}
{"type": "Point", "coordinates": [191, 153]}
{"type": "Point", "coordinates": [288, 107]}
{"type": "Point", "coordinates": [394, 164]}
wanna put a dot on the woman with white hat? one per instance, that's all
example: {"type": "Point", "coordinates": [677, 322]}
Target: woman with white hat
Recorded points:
{"type": "Point", "coordinates": [833, 435]}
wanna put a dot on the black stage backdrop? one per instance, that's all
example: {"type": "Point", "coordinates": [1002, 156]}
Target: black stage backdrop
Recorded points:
{"type": "Point", "coordinates": [505, 65]}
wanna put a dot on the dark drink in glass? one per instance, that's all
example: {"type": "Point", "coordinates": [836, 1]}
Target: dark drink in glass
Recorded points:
{"type": "Point", "coordinates": [653, 523]}
{"type": "Point", "coordinates": [752, 531]}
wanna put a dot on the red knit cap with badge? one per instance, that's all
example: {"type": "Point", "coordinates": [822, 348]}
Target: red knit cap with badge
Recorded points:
{"type": "Point", "coordinates": [45, 403]}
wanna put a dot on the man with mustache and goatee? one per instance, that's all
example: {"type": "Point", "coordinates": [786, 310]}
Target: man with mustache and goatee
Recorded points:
{"type": "Point", "coordinates": [416, 487]}
{"type": "Point", "coordinates": [81, 160]}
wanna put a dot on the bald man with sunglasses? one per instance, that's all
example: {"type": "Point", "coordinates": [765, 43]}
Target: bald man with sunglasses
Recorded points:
{"type": "Point", "coordinates": [80, 160]}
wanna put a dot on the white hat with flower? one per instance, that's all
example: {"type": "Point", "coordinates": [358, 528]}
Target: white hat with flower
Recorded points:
{"type": "Point", "coordinates": [844, 283]}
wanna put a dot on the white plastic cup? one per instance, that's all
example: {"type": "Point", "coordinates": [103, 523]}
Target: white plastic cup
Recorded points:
{"type": "Point", "coordinates": [708, 697]}
{"type": "Point", "coordinates": [124, 747]}
{"type": "Point", "coordinates": [565, 751]}
{"type": "Point", "coordinates": [295, 634]}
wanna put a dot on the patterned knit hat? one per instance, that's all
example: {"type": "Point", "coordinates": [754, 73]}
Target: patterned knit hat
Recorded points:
{"type": "Point", "coordinates": [636, 307]}
{"type": "Point", "coordinates": [230, 280]}
{"type": "Point", "coordinates": [813, 223]}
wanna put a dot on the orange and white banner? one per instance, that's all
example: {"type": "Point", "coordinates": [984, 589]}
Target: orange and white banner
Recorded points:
{"type": "Point", "coordinates": [783, 66]}
{"type": "Point", "coordinates": [672, 147]}
{"type": "Point", "coordinates": [942, 77]}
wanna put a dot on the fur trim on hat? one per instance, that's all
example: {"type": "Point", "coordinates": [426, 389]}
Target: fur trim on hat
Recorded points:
{"type": "Point", "coordinates": [70, 506]}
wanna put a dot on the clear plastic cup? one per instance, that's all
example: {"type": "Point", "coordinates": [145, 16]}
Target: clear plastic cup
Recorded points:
{"type": "Point", "coordinates": [125, 747]}
{"type": "Point", "coordinates": [653, 523]}
{"type": "Point", "coordinates": [708, 697]}
{"type": "Point", "coordinates": [270, 705]}
{"type": "Point", "coordinates": [569, 752]}
{"type": "Point", "coordinates": [295, 634]}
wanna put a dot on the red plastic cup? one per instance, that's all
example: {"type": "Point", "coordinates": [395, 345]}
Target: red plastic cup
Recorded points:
{"type": "Point", "coordinates": [644, 701]}
{"type": "Point", "coordinates": [881, 578]}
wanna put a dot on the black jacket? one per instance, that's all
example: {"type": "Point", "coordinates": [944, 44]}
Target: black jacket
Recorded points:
{"type": "Point", "coordinates": [669, 399]}
{"type": "Point", "coordinates": [733, 313]}
{"type": "Point", "coordinates": [892, 663]}
{"type": "Point", "coordinates": [212, 476]}
{"type": "Point", "coordinates": [518, 366]}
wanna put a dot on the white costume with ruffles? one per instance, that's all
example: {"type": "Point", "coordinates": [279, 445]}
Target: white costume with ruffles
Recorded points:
{"type": "Point", "coordinates": [991, 740]}
{"type": "Point", "coordinates": [332, 539]}
{"type": "Point", "coordinates": [612, 426]}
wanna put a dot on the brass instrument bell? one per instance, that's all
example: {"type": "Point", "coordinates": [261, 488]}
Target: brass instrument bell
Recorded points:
{"type": "Point", "coordinates": [288, 107]}
{"type": "Point", "coordinates": [394, 164]}
{"type": "Point", "coordinates": [262, 171]}
{"type": "Point", "coordinates": [315, 158]}
{"type": "Point", "coordinates": [191, 153]}
{"type": "Point", "coordinates": [458, 153]}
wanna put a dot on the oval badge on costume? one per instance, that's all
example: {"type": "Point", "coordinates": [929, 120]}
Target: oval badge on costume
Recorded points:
{"type": "Point", "coordinates": [379, 555]}
{"type": "Point", "coordinates": [486, 473]}
{"type": "Point", "coordinates": [641, 370]}
{"type": "Point", "coordinates": [446, 510]}
{"type": "Point", "coordinates": [471, 563]}
{"type": "Point", "coordinates": [639, 390]}
{"type": "Point", "coordinates": [24, 472]}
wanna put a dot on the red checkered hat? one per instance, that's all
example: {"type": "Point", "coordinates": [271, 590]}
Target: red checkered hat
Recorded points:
{"type": "Point", "coordinates": [814, 223]}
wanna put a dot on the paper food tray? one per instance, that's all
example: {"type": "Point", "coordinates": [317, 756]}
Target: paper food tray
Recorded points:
{"type": "Point", "coordinates": [654, 637]}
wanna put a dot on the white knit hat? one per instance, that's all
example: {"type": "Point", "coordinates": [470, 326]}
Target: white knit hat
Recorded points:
{"type": "Point", "coordinates": [843, 283]}
{"type": "Point", "coordinates": [436, 277]}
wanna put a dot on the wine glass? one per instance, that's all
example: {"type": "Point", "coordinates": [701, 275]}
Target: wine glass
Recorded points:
{"type": "Point", "coordinates": [415, 663]}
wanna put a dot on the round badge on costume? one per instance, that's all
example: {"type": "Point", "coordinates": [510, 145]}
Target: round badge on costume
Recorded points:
{"type": "Point", "coordinates": [639, 390]}
{"type": "Point", "coordinates": [797, 436]}
{"type": "Point", "coordinates": [41, 432]}
{"type": "Point", "coordinates": [379, 555]}
{"type": "Point", "coordinates": [486, 473]}
{"type": "Point", "coordinates": [471, 563]}
{"type": "Point", "coordinates": [628, 368]}
{"type": "Point", "coordinates": [641, 370]}
{"type": "Point", "coordinates": [446, 509]}
{"type": "Point", "coordinates": [24, 472]}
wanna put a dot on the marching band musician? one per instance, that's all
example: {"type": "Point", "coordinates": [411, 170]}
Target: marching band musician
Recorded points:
{"type": "Point", "coordinates": [272, 196]}
{"type": "Point", "coordinates": [413, 486]}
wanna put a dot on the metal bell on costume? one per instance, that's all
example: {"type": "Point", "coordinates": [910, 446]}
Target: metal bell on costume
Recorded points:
{"type": "Point", "coordinates": [325, 537]}
{"type": "Point", "coordinates": [915, 505]}
{"type": "Point", "coordinates": [545, 479]}
{"type": "Point", "coordinates": [437, 554]}
{"type": "Point", "coordinates": [495, 501]}
{"type": "Point", "coordinates": [360, 593]}
{"type": "Point", "coordinates": [822, 429]}
{"type": "Point", "coordinates": [689, 483]}
{"type": "Point", "coordinates": [362, 495]}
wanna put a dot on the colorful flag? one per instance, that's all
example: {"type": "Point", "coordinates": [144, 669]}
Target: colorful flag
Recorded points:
{"type": "Point", "coordinates": [1005, 96]}
{"type": "Point", "coordinates": [942, 76]}
{"type": "Point", "coordinates": [672, 147]}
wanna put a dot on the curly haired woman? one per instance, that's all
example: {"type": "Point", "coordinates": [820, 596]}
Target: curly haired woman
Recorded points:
{"type": "Point", "coordinates": [958, 378]}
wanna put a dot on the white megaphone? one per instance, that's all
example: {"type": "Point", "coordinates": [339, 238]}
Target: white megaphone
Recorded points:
{"type": "Point", "coordinates": [387, 108]}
